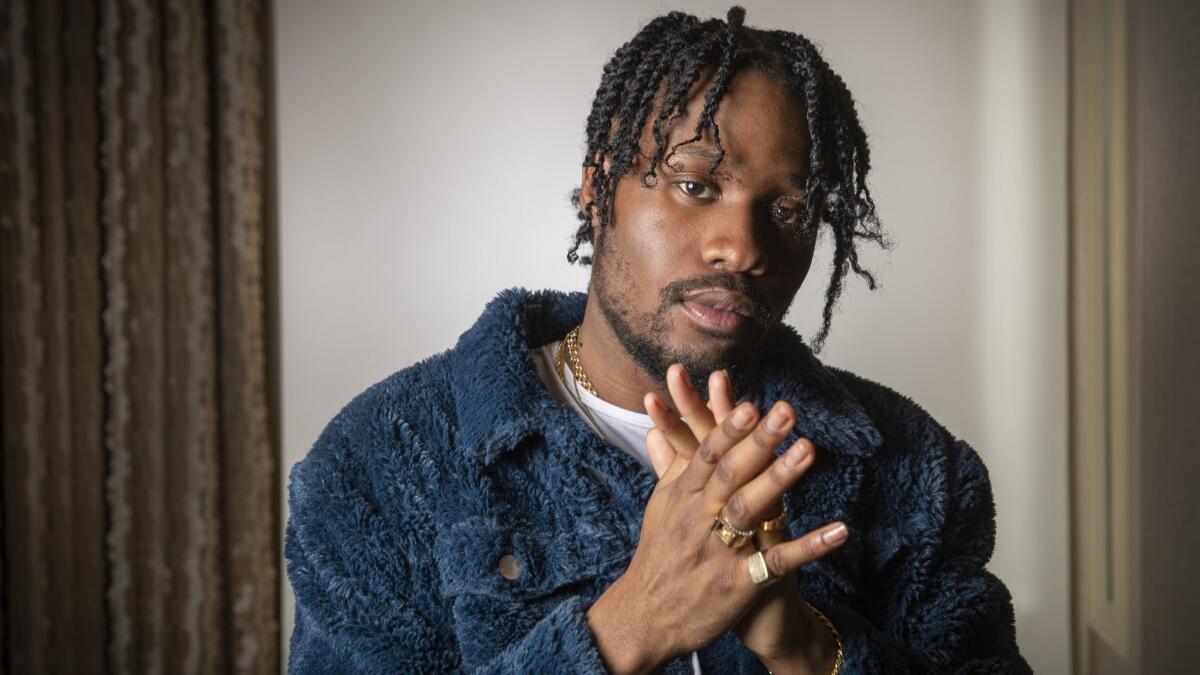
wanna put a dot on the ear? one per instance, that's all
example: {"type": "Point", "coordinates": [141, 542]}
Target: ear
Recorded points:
{"type": "Point", "coordinates": [586, 192]}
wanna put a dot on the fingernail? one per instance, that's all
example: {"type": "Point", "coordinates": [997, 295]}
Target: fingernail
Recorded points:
{"type": "Point", "coordinates": [795, 455]}
{"type": "Point", "coordinates": [777, 420]}
{"type": "Point", "coordinates": [741, 418]}
{"type": "Point", "coordinates": [836, 535]}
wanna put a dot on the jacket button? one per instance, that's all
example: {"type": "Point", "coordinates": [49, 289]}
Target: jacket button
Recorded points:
{"type": "Point", "coordinates": [510, 567]}
{"type": "Point", "coordinates": [600, 477]}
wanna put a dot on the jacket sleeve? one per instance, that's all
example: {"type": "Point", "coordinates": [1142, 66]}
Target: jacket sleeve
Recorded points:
{"type": "Point", "coordinates": [939, 610]}
{"type": "Point", "coordinates": [359, 549]}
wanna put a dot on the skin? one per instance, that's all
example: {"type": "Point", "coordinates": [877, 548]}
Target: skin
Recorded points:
{"type": "Point", "coordinates": [723, 231]}
{"type": "Point", "coordinates": [778, 627]}
{"type": "Point", "coordinates": [684, 588]}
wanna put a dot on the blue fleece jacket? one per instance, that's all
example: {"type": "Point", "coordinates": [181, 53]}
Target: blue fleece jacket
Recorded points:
{"type": "Point", "coordinates": [412, 494]}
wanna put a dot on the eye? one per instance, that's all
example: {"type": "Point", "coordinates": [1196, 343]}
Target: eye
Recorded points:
{"type": "Point", "coordinates": [696, 189]}
{"type": "Point", "coordinates": [785, 215]}
{"type": "Point", "coordinates": [787, 210]}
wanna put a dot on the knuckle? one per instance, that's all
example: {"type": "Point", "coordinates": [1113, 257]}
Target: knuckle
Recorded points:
{"type": "Point", "coordinates": [726, 472]}
{"type": "Point", "coordinates": [812, 547]}
{"type": "Point", "coordinates": [708, 451]}
{"type": "Point", "coordinates": [736, 510]}
{"type": "Point", "coordinates": [779, 475]}
{"type": "Point", "coordinates": [763, 437]}
{"type": "Point", "coordinates": [776, 560]}
{"type": "Point", "coordinates": [729, 430]}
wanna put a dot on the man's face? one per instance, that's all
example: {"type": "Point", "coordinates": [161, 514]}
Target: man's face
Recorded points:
{"type": "Point", "coordinates": [699, 270]}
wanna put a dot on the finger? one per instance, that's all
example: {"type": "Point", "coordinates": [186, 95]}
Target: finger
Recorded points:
{"type": "Point", "coordinates": [765, 540]}
{"type": "Point", "coordinates": [662, 454]}
{"type": "Point", "coordinates": [720, 395]}
{"type": "Point", "coordinates": [677, 433]}
{"type": "Point", "coordinates": [789, 556]}
{"type": "Point", "coordinates": [750, 456]}
{"type": "Point", "coordinates": [760, 498]}
{"type": "Point", "coordinates": [716, 444]}
{"type": "Point", "coordinates": [673, 433]}
{"type": "Point", "coordinates": [688, 402]}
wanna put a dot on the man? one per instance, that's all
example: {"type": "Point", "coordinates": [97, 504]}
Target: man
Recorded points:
{"type": "Point", "coordinates": [506, 506]}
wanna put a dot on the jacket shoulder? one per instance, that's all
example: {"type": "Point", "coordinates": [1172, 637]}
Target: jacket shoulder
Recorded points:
{"type": "Point", "coordinates": [900, 419]}
{"type": "Point", "coordinates": [922, 468]}
{"type": "Point", "coordinates": [377, 453]}
{"type": "Point", "coordinates": [417, 395]}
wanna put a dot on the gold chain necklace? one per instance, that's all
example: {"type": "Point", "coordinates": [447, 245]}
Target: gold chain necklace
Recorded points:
{"type": "Point", "coordinates": [569, 350]}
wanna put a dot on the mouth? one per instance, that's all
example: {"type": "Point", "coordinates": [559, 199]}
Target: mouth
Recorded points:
{"type": "Point", "coordinates": [717, 310]}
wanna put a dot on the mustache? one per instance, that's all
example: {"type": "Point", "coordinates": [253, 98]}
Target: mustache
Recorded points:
{"type": "Point", "coordinates": [673, 293]}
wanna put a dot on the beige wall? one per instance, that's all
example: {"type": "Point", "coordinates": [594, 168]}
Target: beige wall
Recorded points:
{"type": "Point", "coordinates": [426, 154]}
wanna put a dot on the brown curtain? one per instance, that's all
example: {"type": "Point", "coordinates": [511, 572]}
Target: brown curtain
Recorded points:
{"type": "Point", "coordinates": [140, 473]}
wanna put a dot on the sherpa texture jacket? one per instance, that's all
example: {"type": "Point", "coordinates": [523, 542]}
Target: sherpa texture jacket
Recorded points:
{"type": "Point", "coordinates": [423, 482]}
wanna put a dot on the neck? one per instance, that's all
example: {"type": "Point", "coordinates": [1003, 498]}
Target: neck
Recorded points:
{"type": "Point", "coordinates": [612, 371]}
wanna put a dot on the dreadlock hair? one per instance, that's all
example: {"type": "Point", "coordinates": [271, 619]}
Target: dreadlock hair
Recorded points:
{"type": "Point", "coordinates": [678, 48]}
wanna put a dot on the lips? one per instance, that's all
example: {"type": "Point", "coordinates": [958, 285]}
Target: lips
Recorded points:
{"type": "Point", "coordinates": [718, 310]}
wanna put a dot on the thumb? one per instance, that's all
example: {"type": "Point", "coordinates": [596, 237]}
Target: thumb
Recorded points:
{"type": "Point", "coordinates": [662, 453]}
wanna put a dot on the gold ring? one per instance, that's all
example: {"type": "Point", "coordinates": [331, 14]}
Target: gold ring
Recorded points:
{"type": "Point", "coordinates": [730, 534]}
{"type": "Point", "coordinates": [759, 574]}
{"type": "Point", "coordinates": [779, 522]}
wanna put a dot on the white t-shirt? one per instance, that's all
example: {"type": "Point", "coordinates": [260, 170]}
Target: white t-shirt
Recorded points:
{"type": "Point", "coordinates": [623, 428]}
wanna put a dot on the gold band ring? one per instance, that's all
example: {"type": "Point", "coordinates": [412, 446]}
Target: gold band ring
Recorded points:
{"type": "Point", "coordinates": [730, 534]}
{"type": "Point", "coordinates": [779, 522]}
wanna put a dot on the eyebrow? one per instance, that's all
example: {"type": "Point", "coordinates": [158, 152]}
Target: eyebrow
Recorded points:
{"type": "Point", "coordinates": [798, 181]}
{"type": "Point", "coordinates": [710, 155]}
{"type": "Point", "coordinates": [697, 151]}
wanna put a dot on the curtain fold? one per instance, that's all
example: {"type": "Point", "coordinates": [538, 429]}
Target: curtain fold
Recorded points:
{"type": "Point", "coordinates": [141, 468]}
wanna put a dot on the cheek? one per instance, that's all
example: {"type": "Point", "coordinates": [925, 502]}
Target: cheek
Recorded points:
{"type": "Point", "coordinates": [804, 258]}
{"type": "Point", "coordinates": [795, 264]}
{"type": "Point", "coordinates": [652, 241]}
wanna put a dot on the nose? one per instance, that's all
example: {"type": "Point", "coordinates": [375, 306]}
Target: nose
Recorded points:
{"type": "Point", "coordinates": [734, 242]}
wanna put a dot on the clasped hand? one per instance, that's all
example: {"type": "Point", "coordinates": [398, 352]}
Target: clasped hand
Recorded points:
{"type": "Point", "coordinates": [684, 587]}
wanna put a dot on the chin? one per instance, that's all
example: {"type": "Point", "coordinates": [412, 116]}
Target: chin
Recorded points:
{"type": "Point", "coordinates": [702, 354]}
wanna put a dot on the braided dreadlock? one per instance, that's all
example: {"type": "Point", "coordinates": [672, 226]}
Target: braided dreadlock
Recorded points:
{"type": "Point", "coordinates": [677, 48]}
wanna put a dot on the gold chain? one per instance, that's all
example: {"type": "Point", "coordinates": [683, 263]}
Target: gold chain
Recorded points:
{"type": "Point", "coordinates": [837, 637]}
{"type": "Point", "coordinates": [569, 350]}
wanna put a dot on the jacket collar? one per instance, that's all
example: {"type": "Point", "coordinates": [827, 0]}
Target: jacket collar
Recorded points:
{"type": "Point", "coordinates": [500, 400]}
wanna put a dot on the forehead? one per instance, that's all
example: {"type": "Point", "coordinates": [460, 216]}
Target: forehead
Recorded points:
{"type": "Point", "coordinates": [760, 120]}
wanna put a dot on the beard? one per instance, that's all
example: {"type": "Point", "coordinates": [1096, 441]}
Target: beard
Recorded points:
{"type": "Point", "coordinates": [643, 335]}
